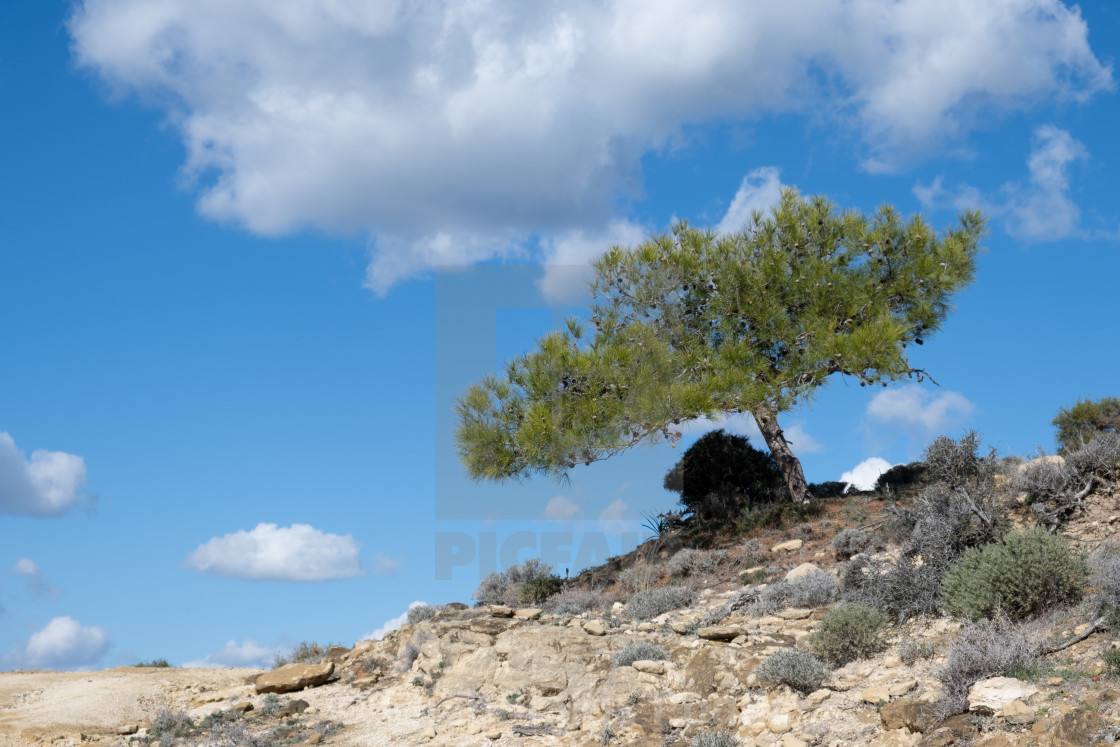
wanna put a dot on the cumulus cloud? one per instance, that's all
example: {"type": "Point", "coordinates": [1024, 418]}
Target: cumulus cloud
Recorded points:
{"type": "Point", "coordinates": [760, 190]}
{"type": "Point", "coordinates": [385, 565]}
{"type": "Point", "coordinates": [391, 624]}
{"type": "Point", "coordinates": [1039, 209]}
{"type": "Point", "coordinates": [454, 131]}
{"type": "Point", "coordinates": [62, 644]}
{"type": "Point", "coordinates": [249, 654]}
{"type": "Point", "coordinates": [50, 483]}
{"type": "Point", "coordinates": [37, 582]}
{"type": "Point", "coordinates": [864, 474]}
{"type": "Point", "coordinates": [567, 256]}
{"type": "Point", "coordinates": [271, 553]}
{"type": "Point", "coordinates": [919, 410]}
{"type": "Point", "coordinates": [562, 508]}
{"type": "Point", "coordinates": [743, 424]}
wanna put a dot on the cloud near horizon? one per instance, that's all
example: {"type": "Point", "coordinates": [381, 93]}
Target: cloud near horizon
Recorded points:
{"type": "Point", "coordinates": [450, 133]}
{"type": "Point", "coordinates": [864, 474]}
{"type": "Point", "coordinates": [248, 654]}
{"type": "Point", "coordinates": [919, 410]}
{"type": "Point", "coordinates": [392, 624]}
{"type": "Point", "coordinates": [62, 644]}
{"type": "Point", "coordinates": [50, 483]}
{"type": "Point", "coordinates": [271, 553]}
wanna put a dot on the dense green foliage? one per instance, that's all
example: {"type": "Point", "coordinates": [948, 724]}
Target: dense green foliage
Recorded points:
{"type": "Point", "coordinates": [1022, 575]}
{"type": "Point", "coordinates": [721, 474]}
{"type": "Point", "coordinates": [901, 477]}
{"type": "Point", "coordinates": [539, 589]}
{"type": "Point", "coordinates": [695, 323]}
{"type": "Point", "coordinates": [1085, 420]}
{"type": "Point", "coordinates": [849, 632]}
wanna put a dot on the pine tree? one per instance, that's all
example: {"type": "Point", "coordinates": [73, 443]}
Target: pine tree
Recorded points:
{"type": "Point", "coordinates": [693, 323]}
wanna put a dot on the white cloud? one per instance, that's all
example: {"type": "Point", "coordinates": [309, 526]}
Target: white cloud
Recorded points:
{"type": "Point", "coordinates": [560, 508]}
{"type": "Point", "coordinates": [392, 624]}
{"type": "Point", "coordinates": [919, 410]}
{"type": "Point", "coordinates": [246, 654]}
{"type": "Point", "coordinates": [271, 553]}
{"type": "Point", "coordinates": [454, 131]}
{"type": "Point", "coordinates": [385, 565]}
{"type": "Point", "coordinates": [62, 644]}
{"type": "Point", "coordinates": [1039, 209]}
{"type": "Point", "coordinates": [743, 424]}
{"type": "Point", "coordinates": [864, 474]}
{"type": "Point", "coordinates": [567, 256]}
{"type": "Point", "coordinates": [617, 518]}
{"type": "Point", "coordinates": [37, 582]}
{"type": "Point", "coordinates": [760, 190]}
{"type": "Point", "coordinates": [50, 483]}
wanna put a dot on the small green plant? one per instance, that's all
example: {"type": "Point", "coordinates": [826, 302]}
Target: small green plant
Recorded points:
{"type": "Point", "coordinates": [539, 589]}
{"type": "Point", "coordinates": [1111, 657]}
{"type": "Point", "coordinates": [914, 649]}
{"type": "Point", "coordinates": [640, 651]}
{"type": "Point", "coordinates": [715, 739]}
{"type": "Point", "coordinates": [307, 652]}
{"type": "Point", "coordinates": [634, 699]}
{"type": "Point", "coordinates": [417, 681]}
{"type": "Point", "coordinates": [515, 698]}
{"type": "Point", "coordinates": [848, 633]}
{"type": "Point", "coordinates": [797, 669]}
{"type": "Point", "coordinates": [154, 663]}
{"type": "Point", "coordinates": [270, 705]}
{"type": "Point", "coordinates": [607, 734]}
{"type": "Point", "coordinates": [502, 714]}
{"type": "Point", "coordinates": [1023, 574]}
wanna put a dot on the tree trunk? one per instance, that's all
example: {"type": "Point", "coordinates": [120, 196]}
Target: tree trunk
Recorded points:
{"type": "Point", "coordinates": [779, 449]}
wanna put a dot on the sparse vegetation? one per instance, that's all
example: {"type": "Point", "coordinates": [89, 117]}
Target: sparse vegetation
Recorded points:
{"type": "Point", "coordinates": [640, 651]}
{"type": "Point", "coordinates": [849, 632]}
{"type": "Point", "coordinates": [715, 739]}
{"type": "Point", "coordinates": [154, 663]}
{"type": "Point", "coordinates": [539, 589]}
{"type": "Point", "coordinates": [575, 601]}
{"type": "Point", "coordinates": [913, 650]}
{"type": "Point", "coordinates": [307, 652]}
{"type": "Point", "coordinates": [794, 668]}
{"type": "Point", "coordinates": [691, 562]}
{"type": "Point", "coordinates": [813, 590]}
{"type": "Point", "coordinates": [982, 649]}
{"type": "Point", "coordinates": [1022, 575]}
{"type": "Point", "coordinates": [849, 542]}
{"type": "Point", "coordinates": [654, 602]}
{"type": "Point", "coordinates": [607, 734]}
{"type": "Point", "coordinates": [421, 612]}
{"type": "Point", "coordinates": [505, 587]}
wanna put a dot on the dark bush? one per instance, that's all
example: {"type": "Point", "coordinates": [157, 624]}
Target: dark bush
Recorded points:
{"type": "Point", "coordinates": [1085, 420]}
{"type": "Point", "coordinates": [901, 477]}
{"type": "Point", "coordinates": [1022, 575]}
{"type": "Point", "coordinates": [721, 474]}
{"type": "Point", "coordinates": [794, 668]}
{"type": "Point", "coordinates": [831, 489]}
{"type": "Point", "coordinates": [539, 589]}
{"type": "Point", "coordinates": [849, 632]}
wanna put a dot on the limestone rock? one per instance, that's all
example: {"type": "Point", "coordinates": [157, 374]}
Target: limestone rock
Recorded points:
{"type": "Point", "coordinates": [336, 654]}
{"type": "Point", "coordinates": [498, 610]}
{"type": "Point", "coordinates": [991, 695]}
{"type": "Point", "coordinates": [292, 677]}
{"type": "Point", "coordinates": [779, 723]}
{"type": "Point", "coordinates": [795, 613]}
{"type": "Point", "coordinates": [878, 694]}
{"type": "Point", "coordinates": [595, 627]}
{"type": "Point", "coordinates": [720, 632]}
{"type": "Point", "coordinates": [817, 697]}
{"type": "Point", "coordinates": [1077, 728]}
{"type": "Point", "coordinates": [649, 667]}
{"type": "Point", "coordinates": [802, 571]}
{"type": "Point", "coordinates": [1018, 712]}
{"type": "Point", "coordinates": [128, 729]}
{"type": "Point", "coordinates": [790, 546]}
{"type": "Point", "coordinates": [908, 714]}
{"type": "Point", "coordinates": [528, 613]}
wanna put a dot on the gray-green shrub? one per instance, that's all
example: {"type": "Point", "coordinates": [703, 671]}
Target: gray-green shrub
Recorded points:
{"type": "Point", "coordinates": [1022, 575]}
{"type": "Point", "coordinates": [574, 601]}
{"type": "Point", "coordinates": [815, 589]}
{"type": "Point", "coordinates": [690, 562]}
{"type": "Point", "coordinates": [307, 652]}
{"type": "Point", "coordinates": [715, 739]}
{"type": "Point", "coordinates": [504, 588]}
{"type": "Point", "coordinates": [654, 602]}
{"type": "Point", "coordinates": [421, 612]}
{"type": "Point", "coordinates": [794, 668]}
{"type": "Point", "coordinates": [914, 649]}
{"type": "Point", "coordinates": [640, 651]}
{"type": "Point", "coordinates": [983, 649]}
{"type": "Point", "coordinates": [849, 632]}
{"type": "Point", "coordinates": [849, 542]}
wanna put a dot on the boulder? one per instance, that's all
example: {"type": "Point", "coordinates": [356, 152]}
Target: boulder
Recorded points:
{"type": "Point", "coordinates": [991, 695]}
{"type": "Point", "coordinates": [292, 677]}
{"type": "Point", "coordinates": [1077, 728]}
{"type": "Point", "coordinates": [802, 571]}
{"type": "Point", "coordinates": [790, 546]}
{"type": "Point", "coordinates": [595, 627]}
{"type": "Point", "coordinates": [528, 613]}
{"type": "Point", "coordinates": [498, 610]}
{"type": "Point", "coordinates": [720, 632]}
{"type": "Point", "coordinates": [336, 654]}
{"type": "Point", "coordinates": [878, 694]}
{"type": "Point", "coordinates": [1018, 712]}
{"type": "Point", "coordinates": [649, 666]}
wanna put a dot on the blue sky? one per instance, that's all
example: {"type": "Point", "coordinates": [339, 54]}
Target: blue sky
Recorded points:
{"type": "Point", "coordinates": [251, 251]}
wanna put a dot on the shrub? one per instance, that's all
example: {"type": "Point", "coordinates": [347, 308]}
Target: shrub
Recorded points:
{"type": "Point", "coordinates": [307, 652]}
{"type": "Point", "coordinates": [849, 542]}
{"type": "Point", "coordinates": [574, 601]}
{"type": "Point", "coordinates": [721, 474]}
{"type": "Point", "coordinates": [901, 477]}
{"type": "Point", "coordinates": [1111, 658]}
{"type": "Point", "coordinates": [504, 588]}
{"type": "Point", "coordinates": [171, 725]}
{"type": "Point", "coordinates": [640, 651]}
{"type": "Point", "coordinates": [539, 589]}
{"type": "Point", "coordinates": [848, 633]}
{"type": "Point", "coordinates": [813, 590]}
{"type": "Point", "coordinates": [795, 668]}
{"type": "Point", "coordinates": [752, 553]}
{"type": "Point", "coordinates": [154, 663]}
{"type": "Point", "coordinates": [1023, 575]}
{"type": "Point", "coordinates": [832, 489]}
{"type": "Point", "coordinates": [903, 588]}
{"type": "Point", "coordinates": [638, 577]}
{"type": "Point", "coordinates": [914, 649]}
{"type": "Point", "coordinates": [654, 602]}
{"type": "Point", "coordinates": [409, 656]}
{"type": "Point", "coordinates": [1104, 567]}
{"type": "Point", "coordinates": [421, 612]}
{"type": "Point", "coordinates": [715, 739]}
{"type": "Point", "coordinates": [985, 649]}
{"type": "Point", "coordinates": [690, 562]}
{"type": "Point", "coordinates": [1085, 420]}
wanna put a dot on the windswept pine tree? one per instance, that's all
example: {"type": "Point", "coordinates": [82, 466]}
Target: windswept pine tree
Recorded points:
{"type": "Point", "coordinates": [693, 323]}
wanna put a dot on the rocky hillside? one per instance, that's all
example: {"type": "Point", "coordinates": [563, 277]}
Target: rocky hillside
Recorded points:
{"type": "Point", "coordinates": [752, 643]}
